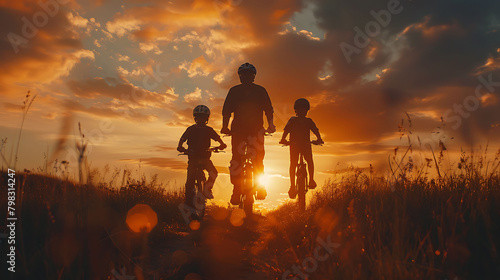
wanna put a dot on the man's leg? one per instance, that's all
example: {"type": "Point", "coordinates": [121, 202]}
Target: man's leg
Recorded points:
{"type": "Point", "coordinates": [212, 175]}
{"type": "Point", "coordinates": [236, 166]}
{"type": "Point", "coordinates": [256, 141]}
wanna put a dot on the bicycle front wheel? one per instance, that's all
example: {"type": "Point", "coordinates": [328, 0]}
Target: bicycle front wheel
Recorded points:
{"type": "Point", "coordinates": [200, 200]}
{"type": "Point", "coordinates": [301, 188]}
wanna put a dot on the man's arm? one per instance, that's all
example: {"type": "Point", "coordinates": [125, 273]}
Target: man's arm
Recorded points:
{"type": "Point", "coordinates": [227, 110]}
{"type": "Point", "coordinates": [268, 109]}
{"type": "Point", "coordinates": [225, 124]}
{"type": "Point", "coordinates": [270, 120]}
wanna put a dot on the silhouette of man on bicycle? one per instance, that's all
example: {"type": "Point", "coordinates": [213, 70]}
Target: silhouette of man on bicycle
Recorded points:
{"type": "Point", "coordinates": [247, 102]}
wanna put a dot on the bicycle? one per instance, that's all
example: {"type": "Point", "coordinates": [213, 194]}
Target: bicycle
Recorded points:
{"type": "Point", "coordinates": [249, 190]}
{"type": "Point", "coordinates": [198, 212]}
{"type": "Point", "coordinates": [301, 177]}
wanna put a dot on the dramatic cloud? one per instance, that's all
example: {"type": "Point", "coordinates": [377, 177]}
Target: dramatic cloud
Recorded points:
{"type": "Point", "coordinates": [364, 66]}
{"type": "Point", "coordinates": [107, 111]}
{"type": "Point", "coordinates": [425, 47]}
{"type": "Point", "coordinates": [37, 47]}
{"type": "Point", "coordinates": [120, 91]}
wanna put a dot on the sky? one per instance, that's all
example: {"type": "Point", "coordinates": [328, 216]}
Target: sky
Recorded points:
{"type": "Point", "coordinates": [378, 74]}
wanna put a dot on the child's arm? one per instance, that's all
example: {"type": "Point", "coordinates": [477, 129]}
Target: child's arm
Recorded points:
{"type": "Point", "coordinates": [283, 138]}
{"type": "Point", "coordinates": [183, 139]}
{"type": "Point", "coordinates": [318, 137]}
{"type": "Point", "coordinates": [286, 131]}
{"type": "Point", "coordinates": [180, 148]}
{"type": "Point", "coordinates": [215, 136]}
{"type": "Point", "coordinates": [315, 130]}
{"type": "Point", "coordinates": [222, 144]}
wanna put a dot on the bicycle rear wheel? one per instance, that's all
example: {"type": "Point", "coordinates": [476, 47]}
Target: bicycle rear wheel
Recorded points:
{"type": "Point", "coordinates": [248, 201]}
{"type": "Point", "coordinates": [248, 192]}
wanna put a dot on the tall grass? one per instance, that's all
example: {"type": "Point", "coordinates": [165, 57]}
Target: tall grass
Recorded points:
{"type": "Point", "coordinates": [25, 107]}
{"type": "Point", "coordinates": [71, 231]}
{"type": "Point", "coordinates": [402, 226]}
{"type": "Point", "coordinates": [68, 230]}
{"type": "Point", "coordinates": [407, 226]}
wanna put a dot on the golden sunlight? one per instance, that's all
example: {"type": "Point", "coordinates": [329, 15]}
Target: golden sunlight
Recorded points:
{"type": "Point", "coordinates": [264, 180]}
{"type": "Point", "coordinates": [228, 139]}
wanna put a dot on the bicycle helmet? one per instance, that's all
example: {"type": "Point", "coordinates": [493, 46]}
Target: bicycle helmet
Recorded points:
{"type": "Point", "coordinates": [301, 103]}
{"type": "Point", "coordinates": [247, 67]}
{"type": "Point", "coordinates": [201, 109]}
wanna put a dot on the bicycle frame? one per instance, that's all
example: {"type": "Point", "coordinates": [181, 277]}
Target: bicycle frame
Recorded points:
{"type": "Point", "coordinates": [248, 188]}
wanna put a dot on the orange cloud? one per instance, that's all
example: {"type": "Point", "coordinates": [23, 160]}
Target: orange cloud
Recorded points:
{"type": "Point", "coordinates": [121, 92]}
{"type": "Point", "coordinates": [198, 67]}
{"type": "Point", "coordinates": [36, 54]}
{"type": "Point", "coordinates": [104, 110]}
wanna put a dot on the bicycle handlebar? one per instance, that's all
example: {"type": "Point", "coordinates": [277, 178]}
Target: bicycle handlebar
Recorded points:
{"type": "Point", "coordinates": [212, 149]}
{"type": "Point", "coordinates": [314, 142]}
{"type": "Point", "coordinates": [231, 133]}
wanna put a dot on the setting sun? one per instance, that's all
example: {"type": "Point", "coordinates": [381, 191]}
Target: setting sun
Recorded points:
{"type": "Point", "coordinates": [263, 180]}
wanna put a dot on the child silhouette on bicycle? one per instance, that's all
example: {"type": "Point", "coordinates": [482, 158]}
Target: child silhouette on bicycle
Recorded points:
{"type": "Point", "coordinates": [198, 137]}
{"type": "Point", "coordinates": [299, 128]}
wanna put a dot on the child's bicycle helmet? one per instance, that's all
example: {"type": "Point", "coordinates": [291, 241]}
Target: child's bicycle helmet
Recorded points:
{"type": "Point", "coordinates": [247, 67]}
{"type": "Point", "coordinates": [201, 110]}
{"type": "Point", "coordinates": [302, 103]}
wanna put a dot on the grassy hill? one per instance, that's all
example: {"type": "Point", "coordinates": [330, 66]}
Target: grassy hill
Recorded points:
{"type": "Point", "coordinates": [358, 227]}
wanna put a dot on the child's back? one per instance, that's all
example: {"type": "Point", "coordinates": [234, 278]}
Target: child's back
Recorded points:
{"type": "Point", "coordinates": [299, 129]}
{"type": "Point", "coordinates": [199, 139]}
